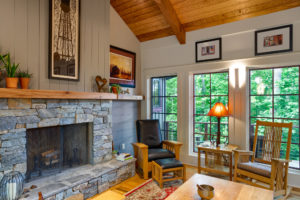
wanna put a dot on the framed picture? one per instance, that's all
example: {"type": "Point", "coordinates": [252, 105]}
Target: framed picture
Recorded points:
{"type": "Point", "coordinates": [122, 67]}
{"type": "Point", "coordinates": [274, 40]}
{"type": "Point", "coordinates": [64, 39]}
{"type": "Point", "coordinates": [209, 50]}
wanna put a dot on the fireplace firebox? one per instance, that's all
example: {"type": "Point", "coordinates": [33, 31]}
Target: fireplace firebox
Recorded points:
{"type": "Point", "coordinates": [53, 149]}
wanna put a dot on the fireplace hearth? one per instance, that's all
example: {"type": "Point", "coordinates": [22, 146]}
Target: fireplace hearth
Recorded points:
{"type": "Point", "coordinates": [53, 149]}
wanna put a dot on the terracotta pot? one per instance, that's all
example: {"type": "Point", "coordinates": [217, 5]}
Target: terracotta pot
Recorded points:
{"type": "Point", "coordinates": [24, 82]}
{"type": "Point", "coordinates": [11, 82]}
{"type": "Point", "coordinates": [114, 89]}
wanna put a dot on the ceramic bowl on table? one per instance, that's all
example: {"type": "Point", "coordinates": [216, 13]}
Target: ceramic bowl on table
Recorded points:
{"type": "Point", "coordinates": [206, 192]}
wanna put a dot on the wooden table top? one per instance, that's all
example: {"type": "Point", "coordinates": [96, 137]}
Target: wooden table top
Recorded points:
{"type": "Point", "coordinates": [224, 190]}
{"type": "Point", "coordinates": [226, 149]}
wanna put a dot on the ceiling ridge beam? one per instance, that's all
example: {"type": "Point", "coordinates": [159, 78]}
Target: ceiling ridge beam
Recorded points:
{"type": "Point", "coordinates": [171, 17]}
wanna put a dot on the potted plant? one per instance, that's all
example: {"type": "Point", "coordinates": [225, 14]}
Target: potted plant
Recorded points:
{"type": "Point", "coordinates": [115, 88]}
{"type": "Point", "coordinates": [24, 79]}
{"type": "Point", "coordinates": [10, 68]}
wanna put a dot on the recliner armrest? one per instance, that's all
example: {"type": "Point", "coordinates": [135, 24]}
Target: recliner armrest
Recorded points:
{"type": "Point", "coordinates": [172, 143]}
{"type": "Point", "coordinates": [140, 145]}
{"type": "Point", "coordinates": [173, 146]}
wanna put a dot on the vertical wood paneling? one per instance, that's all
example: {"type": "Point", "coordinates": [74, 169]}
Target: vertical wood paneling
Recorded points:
{"type": "Point", "coordinates": [96, 26]}
{"type": "Point", "coordinates": [25, 31]}
{"type": "Point", "coordinates": [87, 40]}
{"type": "Point", "coordinates": [33, 48]}
{"type": "Point", "coordinates": [6, 34]}
{"type": "Point", "coordinates": [6, 41]}
{"type": "Point", "coordinates": [43, 38]}
{"type": "Point", "coordinates": [106, 42]}
{"type": "Point", "coordinates": [20, 34]}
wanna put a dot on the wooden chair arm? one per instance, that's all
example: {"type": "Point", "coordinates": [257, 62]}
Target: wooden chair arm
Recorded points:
{"type": "Point", "coordinates": [139, 145]}
{"type": "Point", "coordinates": [280, 160]}
{"type": "Point", "coordinates": [172, 143]}
{"type": "Point", "coordinates": [241, 156]}
{"type": "Point", "coordinates": [172, 146]}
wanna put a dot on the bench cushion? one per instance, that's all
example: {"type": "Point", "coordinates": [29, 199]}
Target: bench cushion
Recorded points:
{"type": "Point", "coordinates": [154, 154]}
{"type": "Point", "coordinates": [168, 163]}
{"type": "Point", "coordinates": [256, 168]}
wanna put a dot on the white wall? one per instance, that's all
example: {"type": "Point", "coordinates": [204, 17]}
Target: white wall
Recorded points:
{"type": "Point", "coordinates": [25, 30]}
{"type": "Point", "coordinates": [238, 40]}
{"type": "Point", "coordinates": [167, 57]}
{"type": "Point", "coordinates": [121, 36]}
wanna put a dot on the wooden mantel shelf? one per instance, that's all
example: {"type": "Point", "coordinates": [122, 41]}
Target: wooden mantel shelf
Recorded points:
{"type": "Point", "coordinates": [6, 93]}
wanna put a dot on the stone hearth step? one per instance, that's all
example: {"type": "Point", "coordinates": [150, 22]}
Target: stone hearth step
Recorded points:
{"type": "Point", "coordinates": [88, 180]}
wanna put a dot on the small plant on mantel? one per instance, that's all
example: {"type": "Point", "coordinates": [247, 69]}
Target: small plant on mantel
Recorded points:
{"type": "Point", "coordinates": [115, 88]}
{"type": "Point", "coordinates": [24, 79]}
{"type": "Point", "coordinates": [10, 68]}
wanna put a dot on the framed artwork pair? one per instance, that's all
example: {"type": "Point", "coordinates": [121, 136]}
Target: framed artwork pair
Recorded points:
{"type": "Point", "coordinates": [267, 41]}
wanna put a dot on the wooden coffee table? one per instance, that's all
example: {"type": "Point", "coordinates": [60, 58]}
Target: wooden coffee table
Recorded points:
{"type": "Point", "coordinates": [224, 190]}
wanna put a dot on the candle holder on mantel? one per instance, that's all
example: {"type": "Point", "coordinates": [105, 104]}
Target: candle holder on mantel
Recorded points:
{"type": "Point", "coordinates": [11, 186]}
{"type": "Point", "coordinates": [218, 111]}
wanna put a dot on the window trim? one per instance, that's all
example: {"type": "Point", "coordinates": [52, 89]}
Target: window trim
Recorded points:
{"type": "Point", "coordinates": [163, 113]}
{"type": "Point", "coordinates": [273, 95]}
{"type": "Point", "coordinates": [193, 107]}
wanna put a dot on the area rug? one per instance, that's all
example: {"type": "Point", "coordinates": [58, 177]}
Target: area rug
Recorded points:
{"type": "Point", "coordinates": [151, 191]}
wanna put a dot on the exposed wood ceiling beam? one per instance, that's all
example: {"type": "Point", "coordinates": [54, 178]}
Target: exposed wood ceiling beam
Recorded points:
{"type": "Point", "coordinates": [171, 17]}
{"type": "Point", "coordinates": [155, 34]}
{"type": "Point", "coordinates": [152, 19]}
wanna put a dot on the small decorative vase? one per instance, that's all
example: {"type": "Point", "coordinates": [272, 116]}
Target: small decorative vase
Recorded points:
{"type": "Point", "coordinates": [11, 186]}
{"type": "Point", "coordinates": [12, 82]}
{"type": "Point", "coordinates": [24, 82]}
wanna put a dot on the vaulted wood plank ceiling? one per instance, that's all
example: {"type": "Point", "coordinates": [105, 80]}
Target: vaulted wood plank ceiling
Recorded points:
{"type": "Point", "coordinates": [152, 19]}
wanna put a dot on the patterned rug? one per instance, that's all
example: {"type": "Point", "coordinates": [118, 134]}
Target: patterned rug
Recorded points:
{"type": "Point", "coordinates": [151, 191]}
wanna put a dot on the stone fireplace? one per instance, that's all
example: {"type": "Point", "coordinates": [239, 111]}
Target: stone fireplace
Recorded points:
{"type": "Point", "coordinates": [44, 138]}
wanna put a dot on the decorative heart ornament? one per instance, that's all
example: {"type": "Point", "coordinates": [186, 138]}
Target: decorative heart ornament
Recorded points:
{"type": "Point", "coordinates": [100, 82]}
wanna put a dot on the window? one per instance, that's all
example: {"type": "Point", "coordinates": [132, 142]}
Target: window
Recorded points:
{"type": "Point", "coordinates": [274, 96]}
{"type": "Point", "coordinates": [209, 88]}
{"type": "Point", "coordinates": [164, 105]}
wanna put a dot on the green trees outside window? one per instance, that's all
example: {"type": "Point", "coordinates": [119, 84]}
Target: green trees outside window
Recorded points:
{"type": "Point", "coordinates": [209, 88]}
{"type": "Point", "coordinates": [274, 96]}
{"type": "Point", "coordinates": [164, 105]}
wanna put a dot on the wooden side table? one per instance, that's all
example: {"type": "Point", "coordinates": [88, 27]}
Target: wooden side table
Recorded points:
{"type": "Point", "coordinates": [217, 159]}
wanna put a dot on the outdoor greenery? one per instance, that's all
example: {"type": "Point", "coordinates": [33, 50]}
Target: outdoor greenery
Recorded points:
{"type": "Point", "coordinates": [209, 89]}
{"type": "Point", "coordinates": [164, 104]}
{"type": "Point", "coordinates": [274, 96]}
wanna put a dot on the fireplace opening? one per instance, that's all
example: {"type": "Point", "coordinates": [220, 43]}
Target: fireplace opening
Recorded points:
{"type": "Point", "coordinates": [53, 149]}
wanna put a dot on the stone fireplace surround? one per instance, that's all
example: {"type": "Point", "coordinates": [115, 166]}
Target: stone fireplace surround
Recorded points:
{"type": "Point", "coordinates": [17, 115]}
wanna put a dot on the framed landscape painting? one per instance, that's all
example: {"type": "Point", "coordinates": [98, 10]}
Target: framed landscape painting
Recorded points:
{"type": "Point", "coordinates": [64, 39]}
{"type": "Point", "coordinates": [122, 67]}
{"type": "Point", "coordinates": [209, 50]}
{"type": "Point", "coordinates": [274, 40]}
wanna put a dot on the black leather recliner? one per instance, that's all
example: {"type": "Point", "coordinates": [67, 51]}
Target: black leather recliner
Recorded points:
{"type": "Point", "coordinates": [150, 145]}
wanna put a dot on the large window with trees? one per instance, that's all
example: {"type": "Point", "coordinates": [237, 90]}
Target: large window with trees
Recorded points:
{"type": "Point", "coordinates": [209, 88]}
{"type": "Point", "coordinates": [164, 105]}
{"type": "Point", "coordinates": [274, 96]}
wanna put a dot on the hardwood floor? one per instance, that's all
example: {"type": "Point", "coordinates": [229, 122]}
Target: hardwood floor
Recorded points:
{"type": "Point", "coordinates": [117, 192]}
